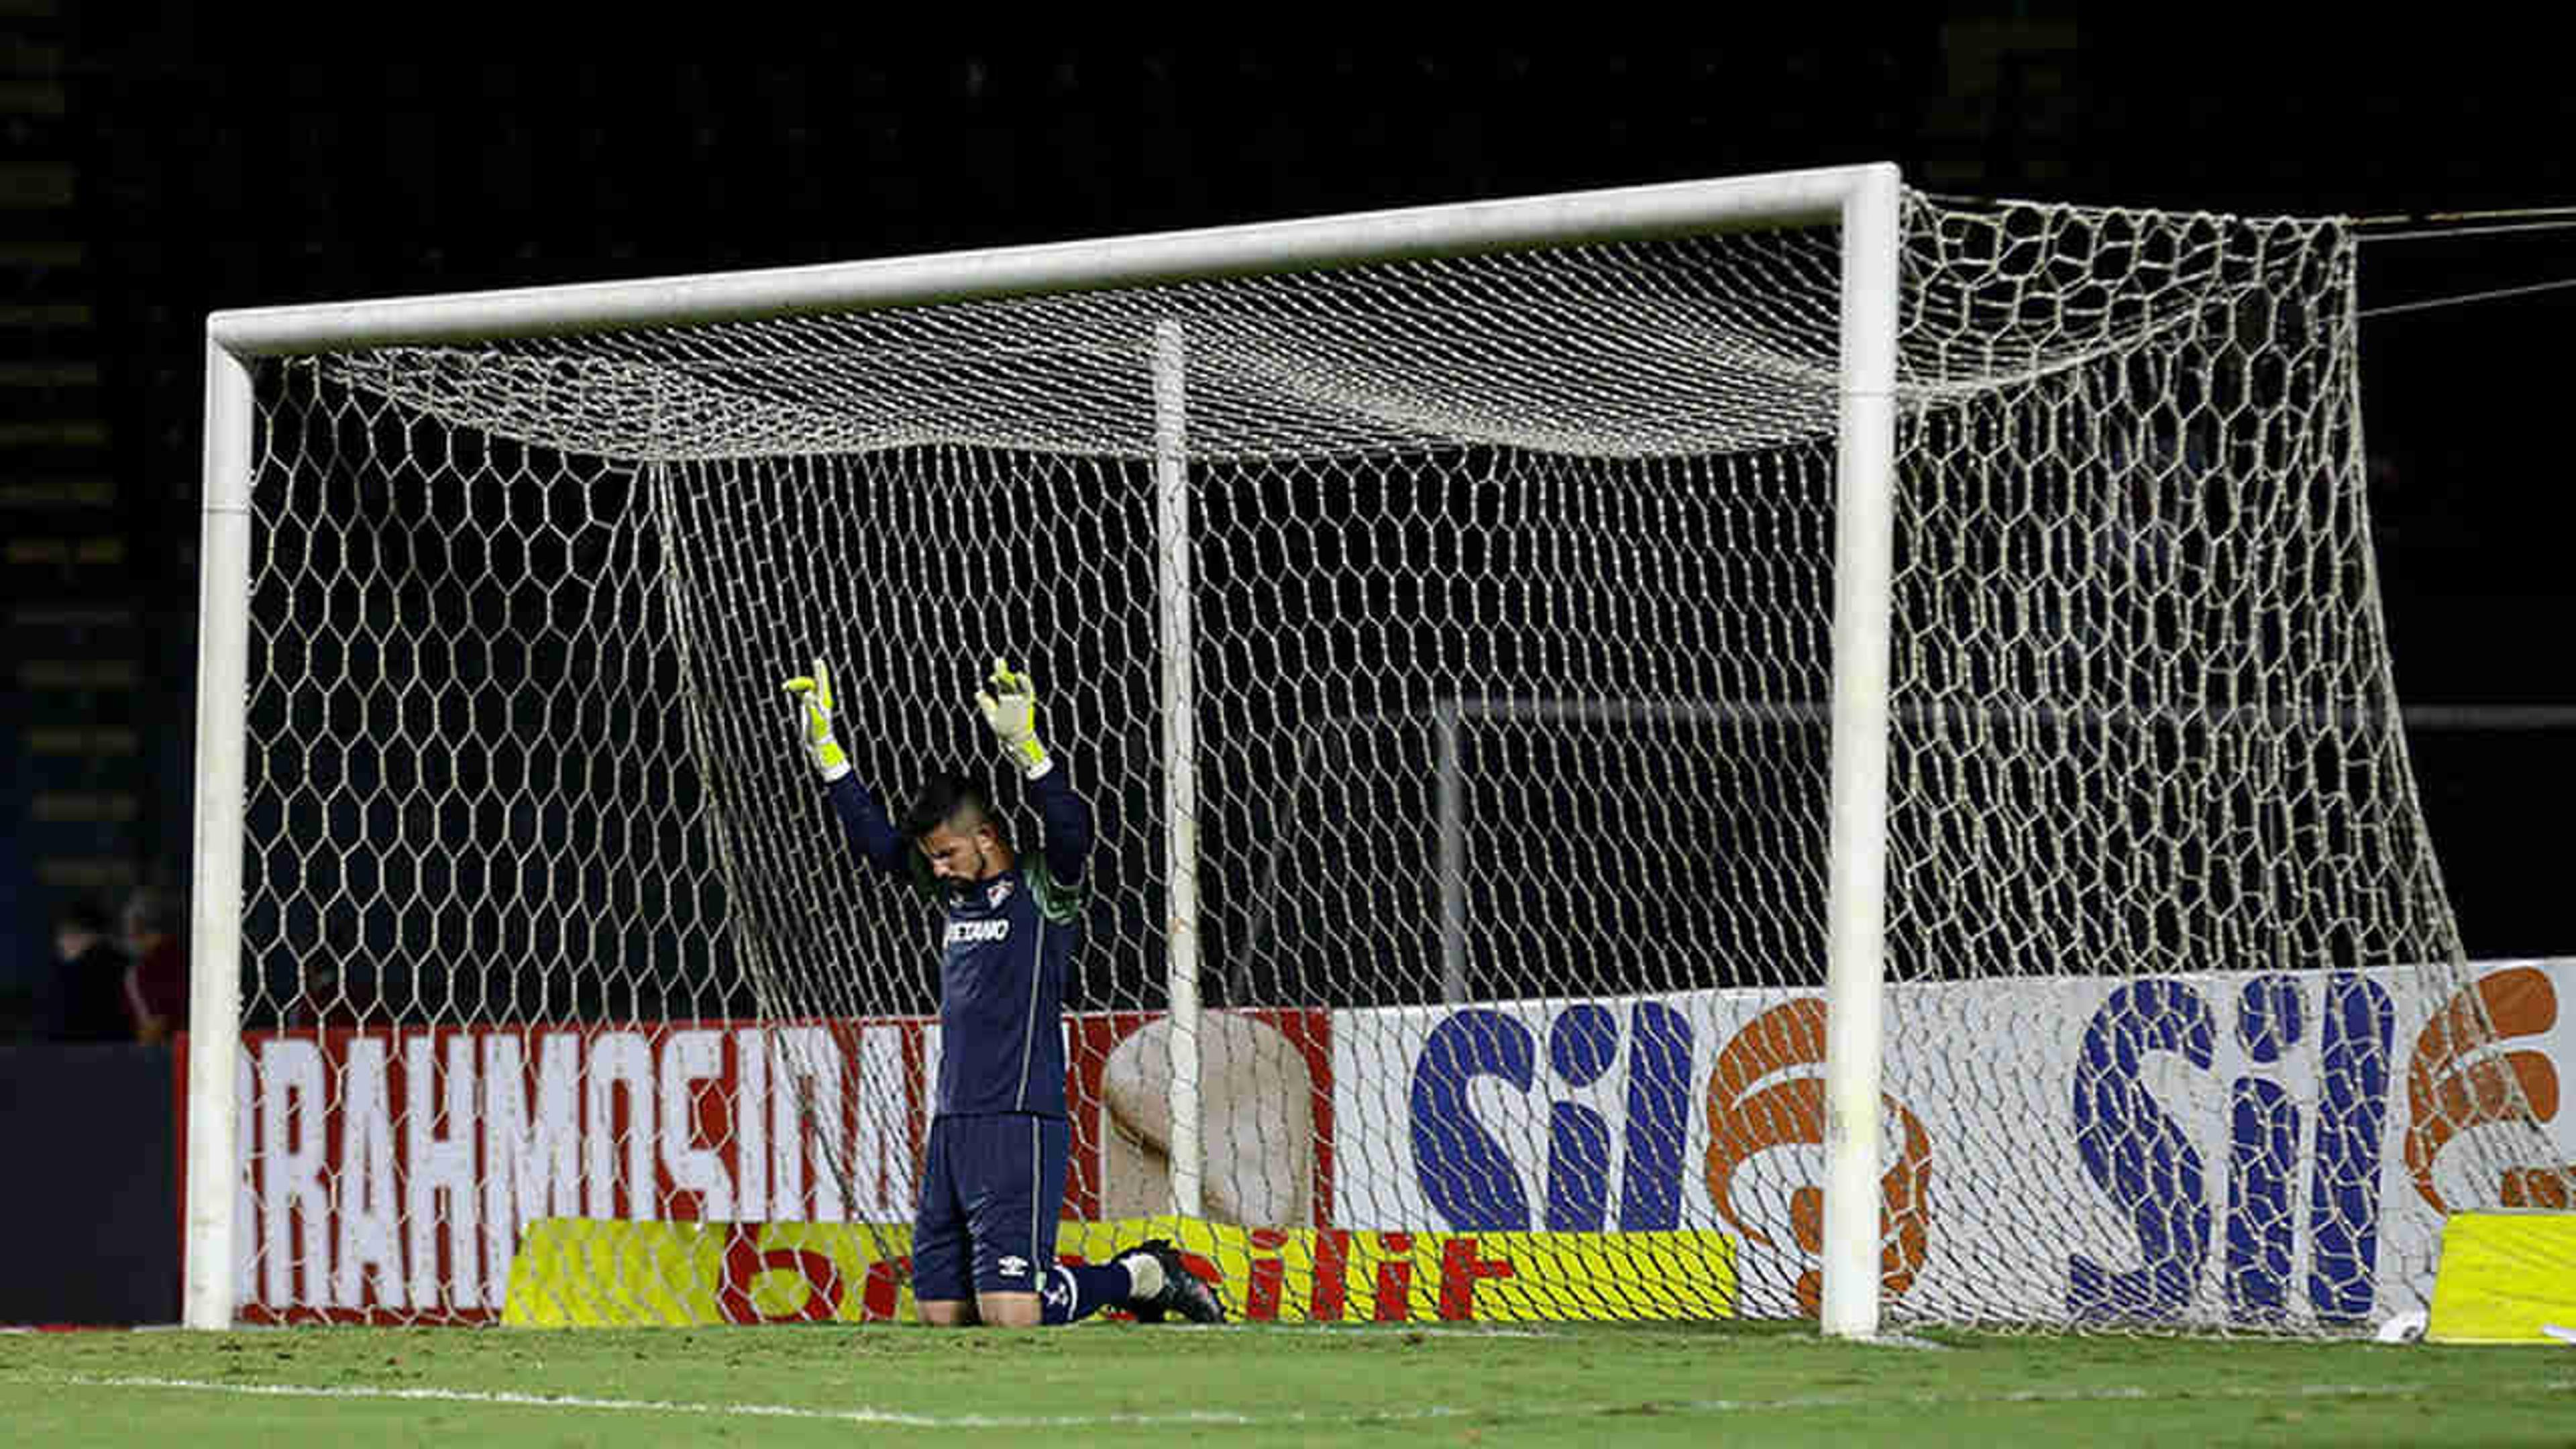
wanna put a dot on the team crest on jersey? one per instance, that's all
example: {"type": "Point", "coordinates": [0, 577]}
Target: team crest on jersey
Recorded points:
{"type": "Point", "coordinates": [998, 892]}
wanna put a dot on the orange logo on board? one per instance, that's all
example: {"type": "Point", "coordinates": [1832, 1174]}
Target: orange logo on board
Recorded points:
{"type": "Point", "coordinates": [1743, 1122]}
{"type": "Point", "coordinates": [2457, 1081]}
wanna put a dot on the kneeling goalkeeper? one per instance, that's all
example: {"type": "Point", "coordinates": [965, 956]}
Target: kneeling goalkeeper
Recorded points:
{"type": "Point", "coordinates": [993, 1169]}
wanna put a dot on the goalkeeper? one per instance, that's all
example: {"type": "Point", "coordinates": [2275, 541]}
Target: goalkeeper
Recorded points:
{"type": "Point", "coordinates": [993, 1166]}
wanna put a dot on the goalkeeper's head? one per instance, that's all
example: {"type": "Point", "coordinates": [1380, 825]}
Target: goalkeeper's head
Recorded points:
{"type": "Point", "coordinates": [952, 824]}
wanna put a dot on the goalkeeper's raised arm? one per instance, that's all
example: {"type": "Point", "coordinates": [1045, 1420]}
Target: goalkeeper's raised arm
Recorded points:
{"type": "Point", "coordinates": [1010, 709]}
{"type": "Point", "coordinates": [871, 833]}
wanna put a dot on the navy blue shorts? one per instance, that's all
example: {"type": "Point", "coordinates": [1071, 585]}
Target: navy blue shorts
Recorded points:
{"type": "Point", "coordinates": [991, 1190]}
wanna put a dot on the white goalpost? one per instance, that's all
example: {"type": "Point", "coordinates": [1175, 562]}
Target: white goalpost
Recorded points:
{"type": "Point", "coordinates": [1743, 725]}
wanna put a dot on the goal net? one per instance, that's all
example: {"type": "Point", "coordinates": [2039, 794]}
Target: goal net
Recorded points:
{"type": "Point", "coordinates": [1445, 644]}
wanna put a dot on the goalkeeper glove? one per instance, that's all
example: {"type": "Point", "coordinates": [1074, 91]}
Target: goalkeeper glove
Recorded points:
{"type": "Point", "coordinates": [814, 722]}
{"type": "Point", "coordinates": [1011, 708]}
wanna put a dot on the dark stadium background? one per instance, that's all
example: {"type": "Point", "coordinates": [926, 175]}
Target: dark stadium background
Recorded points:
{"type": "Point", "coordinates": [166, 159]}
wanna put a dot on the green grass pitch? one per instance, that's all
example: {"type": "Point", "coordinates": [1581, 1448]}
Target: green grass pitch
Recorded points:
{"type": "Point", "coordinates": [1125, 1384]}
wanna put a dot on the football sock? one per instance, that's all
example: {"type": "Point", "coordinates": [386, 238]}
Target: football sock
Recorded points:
{"type": "Point", "coordinates": [1078, 1290]}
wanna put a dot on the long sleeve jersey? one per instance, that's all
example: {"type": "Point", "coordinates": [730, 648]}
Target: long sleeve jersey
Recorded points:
{"type": "Point", "coordinates": [1006, 949]}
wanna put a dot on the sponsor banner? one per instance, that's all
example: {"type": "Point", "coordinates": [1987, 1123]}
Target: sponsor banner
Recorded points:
{"type": "Point", "coordinates": [386, 1175]}
{"type": "Point", "coordinates": [2254, 1149]}
{"type": "Point", "coordinates": [2506, 1277]}
{"type": "Point", "coordinates": [2201, 1149]}
{"type": "Point", "coordinates": [572, 1272]}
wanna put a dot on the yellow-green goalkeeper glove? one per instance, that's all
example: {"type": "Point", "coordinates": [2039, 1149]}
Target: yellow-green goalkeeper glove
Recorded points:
{"type": "Point", "coordinates": [1011, 708]}
{"type": "Point", "coordinates": [814, 722]}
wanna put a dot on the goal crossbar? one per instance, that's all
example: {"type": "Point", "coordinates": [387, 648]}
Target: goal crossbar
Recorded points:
{"type": "Point", "coordinates": [1637, 213]}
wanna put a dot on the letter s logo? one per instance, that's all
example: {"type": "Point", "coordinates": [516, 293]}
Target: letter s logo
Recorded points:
{"type": "Point", "coordinates": [1743, 1123]}
{"type": "Point", "coordinates": [1470, 1180]}
{"type": "Point", "coordinates": [2138, 1154]}
{"type": "Point", "coordinates": [2447, 1093]}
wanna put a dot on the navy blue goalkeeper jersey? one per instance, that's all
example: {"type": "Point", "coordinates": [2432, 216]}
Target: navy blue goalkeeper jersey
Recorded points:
{"type": "Point", "coordinates": [1005, 951]}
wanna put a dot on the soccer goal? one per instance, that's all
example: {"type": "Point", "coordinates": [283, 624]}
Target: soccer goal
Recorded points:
{"type": "Point", "coordinates": [1774, 746]}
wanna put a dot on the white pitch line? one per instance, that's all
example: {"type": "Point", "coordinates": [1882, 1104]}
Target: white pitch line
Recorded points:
{"type": "Point", "coordinates": [1221, 1418]}
{"type": "Point", "coordinates": [508, 1399]}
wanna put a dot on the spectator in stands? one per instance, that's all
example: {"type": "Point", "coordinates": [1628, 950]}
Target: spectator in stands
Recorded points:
{"type": "Point", "coordinates": [84, 998]}
{"type": "Point", "coordinates": [156, 986]}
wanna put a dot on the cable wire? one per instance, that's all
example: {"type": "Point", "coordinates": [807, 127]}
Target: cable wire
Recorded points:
{"type": "Point", "coordinates": [2451, 231]}
{"type": "Point", "coordinates": [2429, 303]}
{"type": "Point", "coordinates": [2445, 218]}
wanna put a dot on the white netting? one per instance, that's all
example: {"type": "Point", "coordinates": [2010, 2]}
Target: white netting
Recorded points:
{"type": "Point", "coordinates": [1512, 590]}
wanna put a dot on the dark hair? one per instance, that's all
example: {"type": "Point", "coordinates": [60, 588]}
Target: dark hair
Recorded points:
{"type": "Point", "coordinates": [945, 797]}
{"type": "Point", "coordinates": [83, 916]}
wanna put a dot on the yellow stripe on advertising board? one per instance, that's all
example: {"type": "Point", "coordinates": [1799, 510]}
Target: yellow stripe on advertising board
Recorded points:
{"type": "Point", "coordinates": [2505, 1277]}
{"type": "Point", "coordinates": [572, 1272]}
